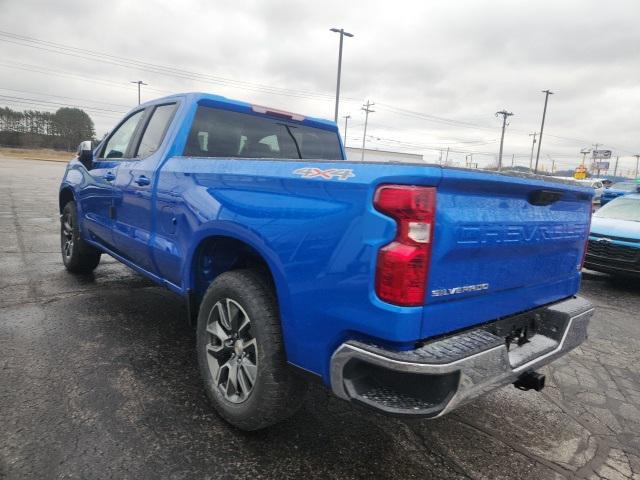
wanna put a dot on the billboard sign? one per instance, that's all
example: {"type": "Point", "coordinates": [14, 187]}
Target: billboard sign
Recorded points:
{"type": "Point", "coordinates": [601, 154]}
{"type": "Point", "coordinates": [600, 166]}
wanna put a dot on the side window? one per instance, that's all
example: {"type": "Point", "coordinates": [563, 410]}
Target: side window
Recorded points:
{"type": "Point", "coordinates": [116, 146]}
{"type": "Point", "coordinates": [155, 130]}
{"type": "Point", "coordinates": [272, 142]}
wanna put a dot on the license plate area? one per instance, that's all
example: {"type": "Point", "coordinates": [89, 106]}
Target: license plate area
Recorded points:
{"type": "Point", "coordinates": [529, 335]}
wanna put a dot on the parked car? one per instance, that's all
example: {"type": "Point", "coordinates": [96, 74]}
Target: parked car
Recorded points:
{"type": "Point", "coordinates": [618, 189]}
{"type": "Point", "coordinates": [614, 241]}
{"type": "Point", "coordinates": [597, 185]}
{"type": "Point", "coordinates": [410, 289]}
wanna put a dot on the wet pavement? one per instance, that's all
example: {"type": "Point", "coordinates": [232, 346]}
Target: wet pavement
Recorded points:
{"type": "Point", "coordinates": [98, 379]}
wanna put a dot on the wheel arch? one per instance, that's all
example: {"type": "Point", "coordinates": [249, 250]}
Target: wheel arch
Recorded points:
{"type": "Point", "coordinates": [220, 250]}
{"type": "Point", "coordinates": [65, 196]}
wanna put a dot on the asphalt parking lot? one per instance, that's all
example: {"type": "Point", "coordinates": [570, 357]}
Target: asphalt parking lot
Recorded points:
{"type": "Point", "coordinates": [98, 379]}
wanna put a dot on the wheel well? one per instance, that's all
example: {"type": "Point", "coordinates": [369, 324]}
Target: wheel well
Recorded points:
{"type": "Point", "coordinates": [216, 255]}
{"type": "Point", "coordinates": [66, 196]}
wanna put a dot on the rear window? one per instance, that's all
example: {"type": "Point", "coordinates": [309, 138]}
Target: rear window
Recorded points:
{"type": "Point", "coordinates": [223, 133]}
{"type": "Point", "coordinates": [156, 128]}
{"type": "Point", "coordinates": [621, 209]}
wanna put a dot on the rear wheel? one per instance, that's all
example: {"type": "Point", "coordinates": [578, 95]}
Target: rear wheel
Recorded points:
{"type": "Point", "coordinates": [241, 354]}
{"type": "Point", "coordinates": [77, 256]}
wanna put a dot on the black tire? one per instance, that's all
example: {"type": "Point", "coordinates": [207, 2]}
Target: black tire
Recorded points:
{"type": "Point", "coordinates": [77, 255]}
{"type": "Point", "coordinates": [276, 392]}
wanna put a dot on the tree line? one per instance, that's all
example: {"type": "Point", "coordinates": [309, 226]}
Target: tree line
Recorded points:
{"type": "Point", "coordinates": [62, 130]}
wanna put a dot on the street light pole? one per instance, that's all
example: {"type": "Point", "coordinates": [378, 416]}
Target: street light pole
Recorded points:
{"type": "Point", "coordinates": [346, 123]}
{"type": "Point", "coordinates": [504, 114]}
{"type": "Point", "coordinates": [342, 35]}
{"type": "Point", "coordinates": [637, 164]}
{"type": "Point", "coordinates": [140, 83]}
{"type": "Point", "coordinates": [544, 114]}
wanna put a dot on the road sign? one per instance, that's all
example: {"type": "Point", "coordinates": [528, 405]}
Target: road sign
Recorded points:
{"type": "Point", "coordinates": [580, 172]}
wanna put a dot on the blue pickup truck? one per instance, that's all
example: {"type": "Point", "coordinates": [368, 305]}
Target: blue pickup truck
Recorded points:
{"type": "Point", "coordinates": [410, 289]}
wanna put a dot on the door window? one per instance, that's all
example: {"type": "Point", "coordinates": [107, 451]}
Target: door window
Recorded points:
{"type": "Point", "coordinates": [155, 130]}
{"type": "Point", "coordinates": [116, 146]}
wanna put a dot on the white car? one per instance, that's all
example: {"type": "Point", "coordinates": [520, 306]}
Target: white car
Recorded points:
{"type": "Point", "coordinates": [596, 184]}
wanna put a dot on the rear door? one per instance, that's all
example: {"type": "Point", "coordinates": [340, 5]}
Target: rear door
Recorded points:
{"type": "Point", "coordinates": [502, 244]}
{"type": "Point", "coordinates": [97, 198]}
{"type": "Point", "coordinates": [134, 188]}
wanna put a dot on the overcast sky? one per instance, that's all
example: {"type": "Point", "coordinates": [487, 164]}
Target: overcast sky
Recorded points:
{"type": "Point", "coordinates": [458, 61]}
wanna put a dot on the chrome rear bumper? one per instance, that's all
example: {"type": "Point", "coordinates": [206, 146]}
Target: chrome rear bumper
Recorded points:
{"type": "Point", "coordinates": [445, 373]}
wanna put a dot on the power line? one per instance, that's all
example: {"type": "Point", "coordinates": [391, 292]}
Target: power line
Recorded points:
{"type": "Point", "coordinates": [68, 98]}
{"type": "Point", "coordinates": [92, 55]}
{"type": "Point", "coordinates": [45, 102]}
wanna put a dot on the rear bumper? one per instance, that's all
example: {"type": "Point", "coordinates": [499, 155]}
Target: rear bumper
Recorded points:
{"type": "Point", "coordinates": [607, 265]}
{"type": "Point", "coordinates": [445, 373]}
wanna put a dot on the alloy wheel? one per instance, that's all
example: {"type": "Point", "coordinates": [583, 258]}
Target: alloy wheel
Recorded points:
{"type": "Point", "coordinates": [67, 235]}
{"type": "Point", "coordinates": [232, 350]}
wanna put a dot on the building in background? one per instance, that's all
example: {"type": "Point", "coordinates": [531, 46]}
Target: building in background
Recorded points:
{"type": "Point", "coordinates": [355, 155]}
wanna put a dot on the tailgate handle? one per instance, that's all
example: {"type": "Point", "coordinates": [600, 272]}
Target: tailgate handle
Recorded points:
{"type": "Point", "coordinates": [544, 197]}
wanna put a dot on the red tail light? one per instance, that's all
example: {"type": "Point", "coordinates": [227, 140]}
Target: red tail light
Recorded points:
{"type": "Point", "coordinates": [403, 264]}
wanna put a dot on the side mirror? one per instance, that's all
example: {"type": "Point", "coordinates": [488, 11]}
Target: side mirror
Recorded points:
{"type": "Point", "coordinates": [85, 154]}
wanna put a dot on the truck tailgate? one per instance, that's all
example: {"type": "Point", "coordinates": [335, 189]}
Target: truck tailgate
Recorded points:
{"type": "Point", "coordinates": [502, 244]}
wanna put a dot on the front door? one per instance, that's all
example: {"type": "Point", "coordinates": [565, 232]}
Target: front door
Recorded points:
{"type": "Point", "coordinates": [96, 198]}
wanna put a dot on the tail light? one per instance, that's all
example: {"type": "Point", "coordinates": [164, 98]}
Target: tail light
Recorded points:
{"type": "Point", "coordinates": [403, 264]}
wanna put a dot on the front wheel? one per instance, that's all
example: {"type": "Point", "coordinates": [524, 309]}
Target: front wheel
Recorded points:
{"type": "Point", "coordinates": [77, 256]}
{"type": "Point", "coordinates": [241, 353]}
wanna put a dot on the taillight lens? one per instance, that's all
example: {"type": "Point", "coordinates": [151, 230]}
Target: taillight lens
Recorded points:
{"type": "Point", "coordinates": [403, 264]}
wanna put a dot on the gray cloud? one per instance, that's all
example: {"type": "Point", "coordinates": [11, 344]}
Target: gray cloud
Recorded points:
{"type": "Point", "coordinates": [462, 60]}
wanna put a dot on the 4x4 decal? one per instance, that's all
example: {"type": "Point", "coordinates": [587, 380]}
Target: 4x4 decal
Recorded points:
{"type": "Point", "coordinates": [311, 172]}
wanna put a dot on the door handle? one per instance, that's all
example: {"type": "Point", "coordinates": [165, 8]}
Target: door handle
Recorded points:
{"type": "Point", "coordinates": [109, 177]}
{"type": "Point", "coordinates": [142, 180]}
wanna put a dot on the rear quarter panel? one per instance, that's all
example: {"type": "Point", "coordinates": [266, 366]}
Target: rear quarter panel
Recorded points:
{"type": "Point", "coordinates": [319, 236]}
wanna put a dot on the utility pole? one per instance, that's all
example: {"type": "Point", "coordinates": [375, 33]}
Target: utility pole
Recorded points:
{"type": "Point", "coordinates": [446, 159]}
{"type": "Point", "coordinates": [595, 149]}
{"type": "Point", "coordinates": [342, 35]}
{"type": "Point", "coordinates": [544, 114]}
{"type": "Point", "coordinates": [615, 169]}
{"type": "Point", "coordinates": [534, 134]}
{"type": "Point", "coordinates": [504, 114]}
{"type": "Point", "coordinates": [367, 109]}
{"type": "Point", "coordinates": [346, 120]}
{"type": "Point", "coordinates": [637, 164]}
{"type": "Point", "coordinates": [140, 83]}
{"type": "Point", "coordinates": [513, 159]}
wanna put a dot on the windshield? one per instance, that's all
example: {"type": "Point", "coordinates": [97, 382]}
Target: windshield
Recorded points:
{"type": "Point", "coordinates": [621, 209]}
{"type": "Point", "coordinates": [223, 133]}
{"type": "Point", "coordinates": [626, 186]}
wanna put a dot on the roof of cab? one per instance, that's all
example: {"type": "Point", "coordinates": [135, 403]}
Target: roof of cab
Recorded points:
{"type": "Point", "coordinates": [199, 96]}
